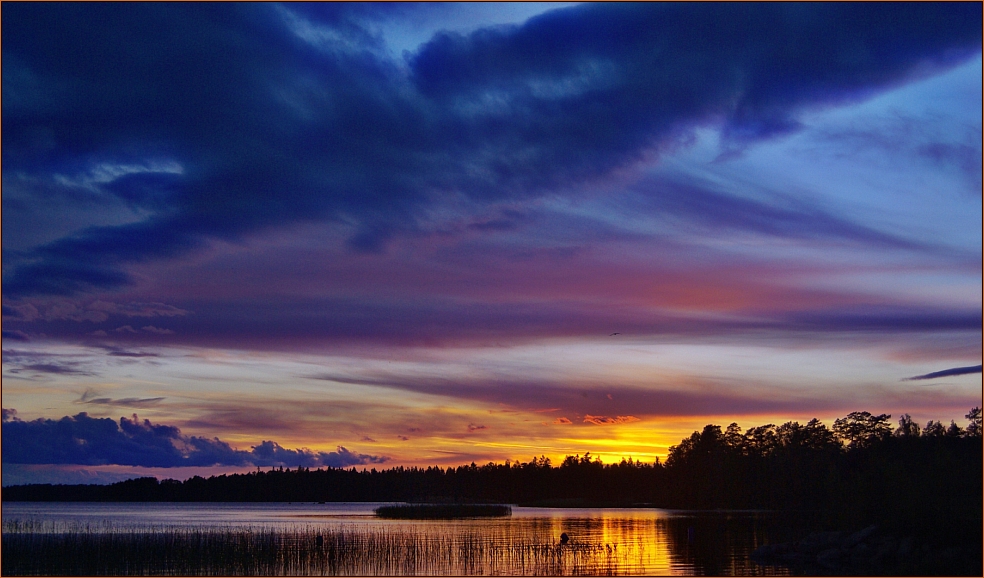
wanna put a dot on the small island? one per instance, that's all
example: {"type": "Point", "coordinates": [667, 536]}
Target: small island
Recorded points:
{"type": "Point", "coordinates": [442, 511]}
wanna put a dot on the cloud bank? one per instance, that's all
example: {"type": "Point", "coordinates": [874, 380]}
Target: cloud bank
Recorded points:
{"type": "Point", "coordinates": [84, 440]}
{"type": "Point", "coordinates": [289, 114]}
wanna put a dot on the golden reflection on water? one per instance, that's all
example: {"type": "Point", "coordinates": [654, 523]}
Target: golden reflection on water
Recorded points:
{"type": "Point", "coordinates": [601, 541]}
{"type": "Point", "coordinates": [639, 545]}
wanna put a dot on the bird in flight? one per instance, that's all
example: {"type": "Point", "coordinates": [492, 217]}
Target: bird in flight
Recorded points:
{"type": "Point", "coordinates": [616, 333]}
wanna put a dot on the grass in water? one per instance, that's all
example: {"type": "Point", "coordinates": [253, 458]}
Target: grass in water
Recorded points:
{"type": "Point", "coordinates": [289, 552]}
{"type": "Point", "coordinates": [442, 511]}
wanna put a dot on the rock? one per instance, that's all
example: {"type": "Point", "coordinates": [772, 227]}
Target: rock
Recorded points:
{"type": "Point", "coordinates": [868, 552]}
{"type": "Point", "coordinates": [860, 554]}
{"type": "Point", "coordinates": [821, 540]}
{"type": "Point", "coordinates": [860, 536]}
{"type": "Point", "coordinates": [885, 548]}
{"type": "Point", "coordinates": [905, 547]}
{"type": "Point", "coordinates": [830, 558]}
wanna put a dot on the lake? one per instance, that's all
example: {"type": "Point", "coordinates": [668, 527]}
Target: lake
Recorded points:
{"type": "Point", "coordinates": [346, 538]}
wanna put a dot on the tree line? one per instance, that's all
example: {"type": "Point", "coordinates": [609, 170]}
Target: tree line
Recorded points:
{"type": "Point", "coordinates": [862, 467]}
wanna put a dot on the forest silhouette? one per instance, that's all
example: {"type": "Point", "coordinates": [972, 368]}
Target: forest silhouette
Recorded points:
{"type": "Point", "coordinates": [863, 469]}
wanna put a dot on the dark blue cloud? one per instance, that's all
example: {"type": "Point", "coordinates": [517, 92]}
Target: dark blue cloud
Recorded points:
{"type": "Point", "coordinates": [27, 363]}
{"type": "Point", "coordinates": [947, 373]}
{"type": "Point", "coordinates": [84, 440]}
{"type": "Point", "coordinates": [61, 369]}
{"type": "Point", "coordinates": [62, 277]}
{"type": "Point", "coordinates": [629, 73]}
{"type": "Point", "coordinates": [270, 454]}
{"type": "Point", "coordinates": [785, 216]}
{"type": "Point", "coordinates": [283, 114]}
{"type": "Point", "coordinates": [115, 351]}
{"type": "Point", "coordinates": [16, 336]}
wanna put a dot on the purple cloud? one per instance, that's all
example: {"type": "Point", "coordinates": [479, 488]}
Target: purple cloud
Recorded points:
{"type": "Point", "coordinates": [587, 399]}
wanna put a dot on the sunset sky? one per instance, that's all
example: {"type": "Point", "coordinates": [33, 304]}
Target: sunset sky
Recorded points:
{"type": "Point", "coordinates": [241, 235]}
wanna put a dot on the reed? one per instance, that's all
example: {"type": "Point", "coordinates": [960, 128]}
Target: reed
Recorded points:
{"type": "Point", "coordinates": [245, 551]}
{"type": "Point", "coordinates": [441, 511]}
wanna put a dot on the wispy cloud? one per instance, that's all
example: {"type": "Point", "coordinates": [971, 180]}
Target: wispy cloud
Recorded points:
{"type": "Point", "coordinates": [626, 403]}
{"type": "Point", "coordinates": [89, 310]}
{"type": "Point", "coordinates": [606, 420]}
{"type": "Point", "coordinates": [90, 396]}
{"type": "Point", "coordinates": [116, 351]}
{"type": "Point", "coordinates": [947, 373]}
{"type": "Point", "coordinates": [64, 368]}
{"type": "Point", "coordinates": [18, 361]}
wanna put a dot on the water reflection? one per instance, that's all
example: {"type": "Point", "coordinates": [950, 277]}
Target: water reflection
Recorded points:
{"type": "Point", "coordinates": [602, 541]}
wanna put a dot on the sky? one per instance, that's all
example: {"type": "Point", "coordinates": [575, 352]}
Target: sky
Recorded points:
{"type": "Point", "coordinates": [369, 235]}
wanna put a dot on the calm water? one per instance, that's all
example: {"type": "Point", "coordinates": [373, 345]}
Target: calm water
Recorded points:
{"type": "Point", "coordinates": [612, 541]}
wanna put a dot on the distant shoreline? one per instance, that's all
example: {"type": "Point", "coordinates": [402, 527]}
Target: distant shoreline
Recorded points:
{"type": "Point", "coordinates": [796, 469]}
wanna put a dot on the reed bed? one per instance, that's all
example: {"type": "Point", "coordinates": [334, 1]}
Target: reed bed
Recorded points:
{"type": "Point", "coordinates": [308, 551]}
{"type": "Point", "coordinates": [442, 511]}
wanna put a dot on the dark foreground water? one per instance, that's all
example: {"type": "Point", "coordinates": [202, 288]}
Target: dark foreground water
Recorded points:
{"type": "Point", "coordinates": [346, 539]}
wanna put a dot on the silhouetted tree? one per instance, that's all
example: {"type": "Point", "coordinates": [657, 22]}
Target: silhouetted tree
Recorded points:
{"type": "Point", "coordinates": [976, 426]}
{"type": "Point", "coordinates": [814, 435]}
{"type": "Point", "coordinates": [818, 437]}
{"type": "Point", "coordinates": [933, 429]}
{"type": "Point", "coordinates": [762, 440]}
{"type": "Point", "coordinates": [907, 428]}
{"type": "Point", "coordinates": [860, 429]}
{"type": "Point", "coordinates": [734, 439]}
{"type": "Point", "coordinates": [954, 431]}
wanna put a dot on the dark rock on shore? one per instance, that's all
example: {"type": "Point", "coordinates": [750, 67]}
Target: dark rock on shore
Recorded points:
{"type": "Point", "coordinates": [870, 552]}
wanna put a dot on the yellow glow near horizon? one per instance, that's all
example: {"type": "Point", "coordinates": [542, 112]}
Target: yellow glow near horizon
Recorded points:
{"type": "Point", "coordinates": [435, 415]}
